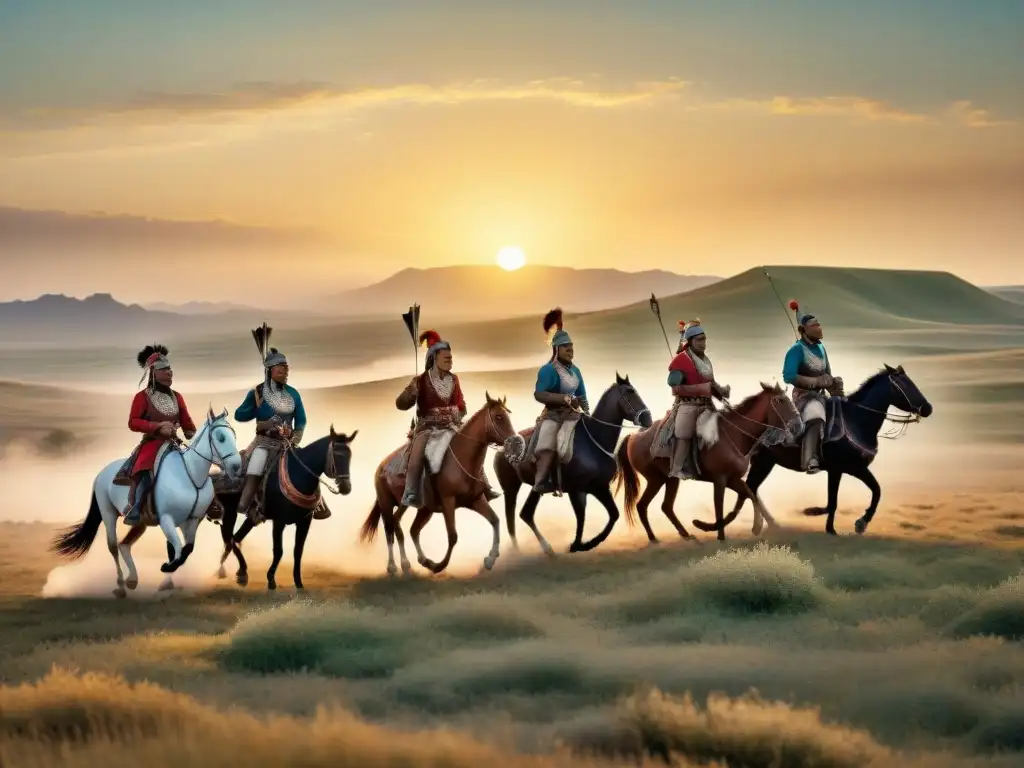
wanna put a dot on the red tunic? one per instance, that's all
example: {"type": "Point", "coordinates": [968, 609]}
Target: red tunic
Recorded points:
{"type": "Point", "coordinates": [684, 363]}
{"type": "Point", "coordinates": [145, 417]}
{"type": "Point", "coordinates": [430, 405]}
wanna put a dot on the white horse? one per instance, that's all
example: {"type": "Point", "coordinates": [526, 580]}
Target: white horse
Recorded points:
{"type": "Point", "coordinates": [182, 491]}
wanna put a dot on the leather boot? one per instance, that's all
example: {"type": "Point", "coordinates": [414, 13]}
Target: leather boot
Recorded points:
{"type": "Point", "coordinates": [136, 494]}
{"type": "Point", "coordinates": [216, 510]}
{"type": "Point", "coordinates": [542, 481]}
{"type": "Point", "coordinates": [414, 472]}
{"type": "Point", "coordinates": [489, 493]}
{"type": "Point", "coordinates": [247, 504]}
{"type": "Point", "coordinates": [809, 461]}
{"type": "Point", "coordinates": [680, 467]}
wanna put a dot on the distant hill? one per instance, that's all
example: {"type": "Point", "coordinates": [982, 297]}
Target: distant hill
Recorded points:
{"type": "Point", "coordinates": [467, 292]}
{"type": "Point", "coordinates": [1013, 293]}
{"type": "Point", "coordinates": [199, 307]}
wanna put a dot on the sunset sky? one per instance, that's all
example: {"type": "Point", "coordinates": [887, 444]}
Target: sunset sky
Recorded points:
{"type": "Point", "coordinates": [702, 137]}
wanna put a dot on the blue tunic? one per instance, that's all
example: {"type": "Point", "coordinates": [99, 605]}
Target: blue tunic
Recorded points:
{"type": "Point", "coordinates": [797, 363]}
{"type": "Point", "coordinates": [248, 411]}
{"type": "Point", "coordinates": [548, 380]}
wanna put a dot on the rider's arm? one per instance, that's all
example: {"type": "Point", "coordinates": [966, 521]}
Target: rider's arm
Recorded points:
{"type": "Point", "coordinates": [458, 399]}
{"type": "Point", "coordinates": [188, 427]}
{"type": "Point", "coordinates": [677, 380]}
{"type": "Point", "coordinates": [137, 421]}
{"type": "Point", "coordinates": [407, 397]}
{"type": "Point", "coordinates": [247, 410]}
{"type": "Point", "coordinates": [299, 424]}
{"type": "Point", "coordinates": [581, 393]}
{"type": "Point", "coordinates": [791, 370]}
{"type": "Point", "coordinates": [546, 391]}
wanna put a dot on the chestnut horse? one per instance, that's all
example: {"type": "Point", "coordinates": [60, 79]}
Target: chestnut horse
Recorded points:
{"type": "Point", "coordinates": [725, 441]}
{"type": "Point", "coordinates": [457, 484]}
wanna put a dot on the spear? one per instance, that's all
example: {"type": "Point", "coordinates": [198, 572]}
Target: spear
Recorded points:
{"type": "Point", "coordinates": [781, 302]}
{"type": "Point", "coordinates": [412, 322]}
{"type": "Point", "coordinates": [656, 309]}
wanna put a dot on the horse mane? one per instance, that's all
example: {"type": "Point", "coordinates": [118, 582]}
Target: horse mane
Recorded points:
{"type": "Point", "coordinates": [748, 402]}
{"type": "Point", "coordinates": [859, 393]}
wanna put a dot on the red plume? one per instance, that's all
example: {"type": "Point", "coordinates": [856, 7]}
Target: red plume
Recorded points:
{"type": "Point", "coordinates": [553, 319]}
{"type": "Point", "coordinates": [430, 338]}
{"type": "Point", "coordinates": [682, 326]}
{"type": "Point", "coordinates": [794, 304]}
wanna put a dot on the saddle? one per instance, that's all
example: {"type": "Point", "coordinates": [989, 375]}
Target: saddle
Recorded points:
{"type": "Point", "coordinates": [564, 442]}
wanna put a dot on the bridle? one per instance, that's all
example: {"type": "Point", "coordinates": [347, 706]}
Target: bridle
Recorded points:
{"type": "Point", "coordinates": [330, 466]}
{"type": "Point", "coordinates": [209, 429]}
{"type": "Point", "coordinates": [627, 407]}
{"type": "Point", "coordinates": [902, 422]}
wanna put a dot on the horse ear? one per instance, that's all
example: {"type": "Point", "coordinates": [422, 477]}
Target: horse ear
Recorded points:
{"type": "Point", "coordinates": [889, 368]}
{"type": "Point", "coordinates": [778, 388]}
{"type": "Point", "coordinates": [618, 378]}
{"type": "Point", "coordinates": [899, 370]}
{"type": "Point", "coordinates": [767, 387]}
{"type": "Point", "coordinates": [224, 413]}
{"type": "Point", "coordinates": [333, 433]}
{"type": "Point", "coordinates": [352, 437]}
{"type": "Point", "coordinates": [210, 415]}
{"type": "Point", "coordinates": [487, 397]}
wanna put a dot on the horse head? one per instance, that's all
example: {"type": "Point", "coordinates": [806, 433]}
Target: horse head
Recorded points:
{"type": "Point", "coordinates": [904, 394]}
{"type": "Point", "coordinates": [631, 407]}
{"type": "Point", "coordinates": [499, 425]}
{"type": "Point", "coordinates": [781, 412]}
{"type": "Point", "coordinates": [220, 445]}
{"type": "Point", "coordinates": [339, 459]}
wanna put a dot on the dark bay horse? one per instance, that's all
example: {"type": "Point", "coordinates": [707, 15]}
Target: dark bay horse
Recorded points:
{"type": "Point", "coordinates": [724, 444]}
{"type": "Point", "coordinates": [590, 471]}
{"type": "Point", "coordinates": [331, 456]}
{"type": "Point", "coordinates": [850, 446]}
{"type": "Point", "coordinates": [457, 484]}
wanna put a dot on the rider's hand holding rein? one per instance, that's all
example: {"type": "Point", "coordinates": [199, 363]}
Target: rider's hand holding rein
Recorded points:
{"type": "Point", "coordinates": [167, 429]}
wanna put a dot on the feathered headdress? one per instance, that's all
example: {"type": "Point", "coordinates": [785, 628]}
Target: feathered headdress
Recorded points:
{"type": "Point", "coordinates": [261, 336]}
{"type": "Point", "coordinates": [688, 330]}
{"type": "Point", "coordinates": [154, 355]}
{"type": "Point", "coordinates": [553, 319]}
{"type": "Point", "coordinates": [429, 338]}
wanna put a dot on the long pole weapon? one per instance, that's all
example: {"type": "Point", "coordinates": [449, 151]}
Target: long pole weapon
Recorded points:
{"type": "Point", "coordinates": [656, 309]}
{"type": "Point", "coordinates": [412, 322]}
{"type": "Point", "coordinates": [781, 302]}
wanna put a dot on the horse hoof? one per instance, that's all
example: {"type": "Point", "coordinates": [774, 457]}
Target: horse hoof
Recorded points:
{"type": "Point", "coordinates": [406, 567]}
{"type": "Point", "coordinates": [242, 578]}
{"type": "Point", "coordinates": [132, 583]}
{"type": "Point", "coordinates": [120, 593]}
{"type": "Point", "coordinates": [814, 511]}
{"type": "Point", "coordinates": [168, 567]}
{"type": "Point", "coordinates": [222, 573]}
{"type": "Point", "coordinates": [831, 531]}
{"type": "Point", "coordinates": [299, 587]}
{"type": "Point", "coordinates": [652, 543]}
{"type": "Point", "coordinates": [392, 569]}
{"type": "Point", "coordinates": [271, 585]}
{"type": "Point", "coordinates": [702, 526]}
{"type": "Point", "coordinates": [860, 526]}
{"type": "Point", "coordinates": [489, 563]}
{"type": "Point", "coordinates": [575, 547]}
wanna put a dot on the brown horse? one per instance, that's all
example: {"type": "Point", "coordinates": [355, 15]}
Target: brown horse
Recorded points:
{"type": "Point", "coordinates": [724, 444]}
{"type": "Point", "coordinates": [457, 484]}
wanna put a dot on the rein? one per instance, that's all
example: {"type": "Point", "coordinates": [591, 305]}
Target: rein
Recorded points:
{"type": "Point", "coordinates": [902, 421]}
{"type": "Point", "coordinates": [208, 429]}
{"type": "Point", "coordinates": [329, 466]}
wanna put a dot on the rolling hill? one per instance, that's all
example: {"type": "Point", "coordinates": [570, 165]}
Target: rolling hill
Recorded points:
{"type": "Point", "coordinates": [1013, 293]}
{"type": "Point", "coordinates": [470, 291]}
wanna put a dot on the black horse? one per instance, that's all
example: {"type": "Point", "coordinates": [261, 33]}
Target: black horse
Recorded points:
{"type": "Point", "coordinates": [591, 471]}
{"type": "Point", "coordinates": [850, 443]}
{"type": "Point", "coordinates": [330, 455]}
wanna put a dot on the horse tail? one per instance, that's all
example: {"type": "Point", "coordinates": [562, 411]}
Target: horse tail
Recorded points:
{"type": "Point", "coordinates": [75, 541]}
{"type": "Point", "coordinates": [626, 475]}
{"type": "Point", "coordinates": [369, 530]}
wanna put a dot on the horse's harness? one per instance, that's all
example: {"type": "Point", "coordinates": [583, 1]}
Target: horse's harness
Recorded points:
{"type": "Point", "coordinates": [630, 410]}
{"type": "Point", "coordinates": [490, 426]}
{"type": "Point", "coordinates": [208, 428]}
{"type": "Point", "coordinates": [902, 422]}
{"type": "Point", "coordinates": [775, 400]}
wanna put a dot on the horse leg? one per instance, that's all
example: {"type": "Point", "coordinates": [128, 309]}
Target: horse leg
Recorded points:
{"type": "Point", "coordinates": [481, 506]}
{"type": "Point", "coordinates": [125, 548]}
{"type": "Point", "coordinates": [278, 554]}
{"type": "Point", "coordinates": [668, 504]}
{"type": "Point", "coordinates": [743, 492]}
{"type": "Point", "coordinates": [761, 465]}
{"type": "Point", "coordinates": [654, 485]}
{"type": "Point", "coordinates": [400, 536]}
{"type": "Point", "coordinates": [418, 524]}
{"type": "Point", "coordinates": [508, 479]}
{"type": "Point", "coordinates": [865, 475]}
{"type": "Point", "coordinates": [448, 510]}
{"type": "Point", "coordinates": [834, 478]}
{"type": "Point", "coordinates": [110, 523]}
{"type": "Point", "coordinates": [242, 576]}
{"type": "Point", "coordinates": [387, 517]}
{"type": "Point", "coordinates": [174, 550]}
{"type": "Point", "coordinates": [527, 514]}
{"type": "Point", "coordinates": [579, 508]}
{"type": "Point", "coordinates": [719, 508]}
{"type": "Point", "coordinates": [603, 495]}
{"type": "Point", "coordinates": [301, 531]}
{"type": "Point", "coordinates": [227, 528]}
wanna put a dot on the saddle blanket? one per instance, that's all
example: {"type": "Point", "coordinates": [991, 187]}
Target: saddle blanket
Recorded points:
{"type": "Point", "coordinates": [563, 441]}
{"type": "Point", "coordinates": [665, 438]}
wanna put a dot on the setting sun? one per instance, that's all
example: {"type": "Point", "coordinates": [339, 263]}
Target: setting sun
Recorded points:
{"type": "Point", "coordinates": [511, 258]}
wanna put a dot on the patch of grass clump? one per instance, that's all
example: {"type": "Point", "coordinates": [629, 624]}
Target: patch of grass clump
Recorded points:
{"type": "Point", "coordinates": [999, 612]}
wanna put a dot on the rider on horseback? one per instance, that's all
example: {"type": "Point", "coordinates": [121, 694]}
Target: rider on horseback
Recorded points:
{"type": "Point", "coordinates": [280, 421]}
{"type": "Point", "coordinates": [157, 412]}
{"type": "Point", "coordinates": [561, 390]}
{"type": "Point", "coordinates": [808, 369]}
{"type": "Point", "coordinates": [440, 405]}
{"type": "Point", "coordinates": [692, 379]}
